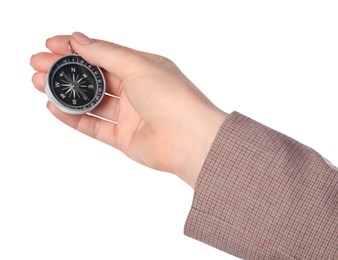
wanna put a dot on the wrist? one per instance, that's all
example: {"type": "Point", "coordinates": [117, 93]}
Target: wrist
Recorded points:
{"type": "Point", "coordinates": [197, 143]}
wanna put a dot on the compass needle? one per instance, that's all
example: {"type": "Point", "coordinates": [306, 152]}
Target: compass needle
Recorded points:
{"type": "Point", "coordinates": [70, 81]}
{"type": "Point", "coordinates": [82, 93]}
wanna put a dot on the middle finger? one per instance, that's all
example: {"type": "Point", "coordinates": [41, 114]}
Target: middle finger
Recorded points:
{"type": "Point", "coordinates": [43, 61]}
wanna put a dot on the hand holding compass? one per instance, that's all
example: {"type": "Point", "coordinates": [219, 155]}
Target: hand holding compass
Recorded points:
{"type": "Point", "coordinates": [160, 118]}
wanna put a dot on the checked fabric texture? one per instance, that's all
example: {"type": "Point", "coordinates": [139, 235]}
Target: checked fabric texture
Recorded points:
{"type": "Point", "coordinates": [263, 195]}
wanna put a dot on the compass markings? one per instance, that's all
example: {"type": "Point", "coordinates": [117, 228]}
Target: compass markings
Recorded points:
{"type": "Point", "coordinates": [72, 85]}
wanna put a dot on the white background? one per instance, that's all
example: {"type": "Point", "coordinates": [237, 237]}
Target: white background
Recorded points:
{"type": "Point", "coordinates": [66, 196]}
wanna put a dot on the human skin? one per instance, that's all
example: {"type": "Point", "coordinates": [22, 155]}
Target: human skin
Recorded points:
{"type": "Point", "coordinates": [163, 120]}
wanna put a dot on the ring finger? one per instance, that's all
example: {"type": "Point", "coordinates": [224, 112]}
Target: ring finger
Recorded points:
{"type": "Point", "coordinates": [38, 80]}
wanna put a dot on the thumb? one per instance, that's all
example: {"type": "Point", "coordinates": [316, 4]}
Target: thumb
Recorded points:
{"type": "Point", "coordinates": [114, 58]}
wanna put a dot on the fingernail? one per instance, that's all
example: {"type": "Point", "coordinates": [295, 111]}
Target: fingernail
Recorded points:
{"type": "Point", "coordinates": [81, 38]}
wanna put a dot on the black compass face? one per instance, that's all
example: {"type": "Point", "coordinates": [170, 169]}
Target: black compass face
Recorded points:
{"type": "Point", "coordinates": [74, 85]}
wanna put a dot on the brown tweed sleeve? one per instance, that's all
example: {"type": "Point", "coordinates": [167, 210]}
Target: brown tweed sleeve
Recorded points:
{"type": "Point", "coordinates": [263, 195]}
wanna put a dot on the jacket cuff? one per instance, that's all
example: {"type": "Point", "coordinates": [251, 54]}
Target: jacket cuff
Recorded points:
{"type": "Point", "coordinates": [245, 200]}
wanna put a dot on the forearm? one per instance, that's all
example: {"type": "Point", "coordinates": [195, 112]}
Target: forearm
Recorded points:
{"type": "Point", "coordinates": [263, 195]}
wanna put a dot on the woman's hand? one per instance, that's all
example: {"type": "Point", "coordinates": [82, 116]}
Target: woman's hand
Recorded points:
{"type": "Point", "coordinates": [163, 120]}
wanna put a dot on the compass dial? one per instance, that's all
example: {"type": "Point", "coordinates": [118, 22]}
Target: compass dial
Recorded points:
{"type": "Point", "coordinates": [74, 85]}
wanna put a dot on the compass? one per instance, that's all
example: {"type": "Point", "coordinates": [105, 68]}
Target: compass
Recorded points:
{"type": "Point", "coordinates": [75, 86]}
